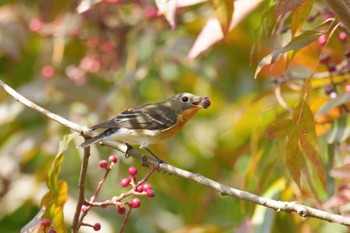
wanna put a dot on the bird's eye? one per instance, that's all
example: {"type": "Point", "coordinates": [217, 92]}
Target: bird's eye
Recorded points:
{"type": "Point", "coordinates": [184, 99]}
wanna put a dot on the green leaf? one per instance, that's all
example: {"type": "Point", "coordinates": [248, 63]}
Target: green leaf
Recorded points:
{"type": "Point", "coordinates": [56, 197]}
{"type": "Point", "coordinates": [295, 44]}
{"type": "Point", "coordinates": [306, 133]}
{"type": "Point", "coordinates": [341, 99]}
{"type": "Point", "coordinates": [300, 16]}
{"type": "Point", "coordinates": [224, 12]}
{"type": "Point", "coordinates": [293, 157]}
{"type": "Point", "coordinates": [340, 130]}
{"type": "Point", "coordinates": [279, 129]}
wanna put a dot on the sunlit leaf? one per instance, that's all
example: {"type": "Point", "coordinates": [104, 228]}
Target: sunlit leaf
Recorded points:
{"type": "Point", "coordinates": [57, 195]}
{"type": "Point", "coordinates": [168, 9]}
{"type": "Point", "coordinates": [293, 157]}
{"type": "Point", "coordinates": [85, 5]}
{"type": "Point", "coordinates": [224, 12]}
{"type": "Point", "coordinates": [34, 224]}
{"type": "Point", "coordinates": [279, 129]}
{"type": "Point", "coordinates": [263, 218]}
{"type": "Point", "coordinates": [306, 133]}
{"type": "Point", "coordinates": [212, 32]}
{"type": "Point", "coordinates": [300, 16]}
{"type": "Point", "coordinates": [284, 6]}
{"type": "Point", "coordinates": [340, 130]}
{"type": "Point", "coordinates": [336, 102]}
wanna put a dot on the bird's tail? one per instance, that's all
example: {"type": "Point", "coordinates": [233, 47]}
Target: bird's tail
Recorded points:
{"type": "Point", "coordinates": [93, 140]}
{"type": "Point", "coordinates": [107, 133]}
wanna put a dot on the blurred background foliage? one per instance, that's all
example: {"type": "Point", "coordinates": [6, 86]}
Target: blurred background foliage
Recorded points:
{"type": "Point", "coordinates": [91, 64]}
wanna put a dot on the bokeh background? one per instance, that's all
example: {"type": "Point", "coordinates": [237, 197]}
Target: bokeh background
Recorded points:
{"type": "Point", "coordinates": [89, 66]}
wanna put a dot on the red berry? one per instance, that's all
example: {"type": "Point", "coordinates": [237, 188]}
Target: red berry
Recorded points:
{"type": "Point", "coordinates": [132, 171]}
{"type": "Point", "coordinates": [125, 182]}
{"type": "Point", "coordinates": [322, 40]}
{"type": "Point", "coordinates": [139, 188]}
{"type": "Point", "coordinates": [150, 193]}
{"type": "Point", "coordinates": [46, 222]}
{"type": "Point", "coordinates": [52, 231]}
{"type": "Point", "coordinates": [205, 103]}
{"type": "Point", "coordinates": [146, 187]}
{"type": "Point", "coordinates": [343, 37]}
{"type": "Point", "coordinates": [97, 226]}
{"type": "Point", "coordinates": [103, 163]}
{"type": "Point", "coordinates": [121, 210]}
{"type": "Point", "coordinates": [113, 159]}
{"type": "Point", "coordinates": [347, 54]}
{"type": "Point", "coordinates": [135, 203]}
{"type": "Point", "coordinates": [332, 68]}
{"type": "Point", "coordinates": [325, 58]}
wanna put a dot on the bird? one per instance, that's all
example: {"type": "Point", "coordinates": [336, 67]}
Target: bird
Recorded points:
{"type": "Point", "coordinates": [150, 123]}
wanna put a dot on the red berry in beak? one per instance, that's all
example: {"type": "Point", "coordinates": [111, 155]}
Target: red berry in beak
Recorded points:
{"type": "Point", "coordinates": [205, 102]}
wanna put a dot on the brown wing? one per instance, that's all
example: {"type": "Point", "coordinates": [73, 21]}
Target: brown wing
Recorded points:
{"type": "Point", "coordinates": [143, 117]}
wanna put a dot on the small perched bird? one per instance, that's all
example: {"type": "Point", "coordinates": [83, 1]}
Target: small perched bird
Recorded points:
{"type": "Point", "coordinates": [150, 123]}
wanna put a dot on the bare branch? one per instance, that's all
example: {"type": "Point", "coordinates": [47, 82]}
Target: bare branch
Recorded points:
{"type": "Point", "coordinates": [302, 210]}
{"type": "Point", "coordinates": [342, 10]}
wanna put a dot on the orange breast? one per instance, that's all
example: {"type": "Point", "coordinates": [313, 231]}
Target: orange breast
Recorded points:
{"type": "Point", "coordinates": [181, 120]}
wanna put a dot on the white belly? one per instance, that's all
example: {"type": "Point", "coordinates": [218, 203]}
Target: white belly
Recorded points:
{"type": "Point", "coordinates": [140, 137]}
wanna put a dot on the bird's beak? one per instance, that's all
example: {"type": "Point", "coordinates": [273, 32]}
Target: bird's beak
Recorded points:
{"type": "Point", "coordinates": [202, 102]}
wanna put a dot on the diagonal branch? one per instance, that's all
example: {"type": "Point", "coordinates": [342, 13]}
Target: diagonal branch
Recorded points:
{"type": "Point", "coordinates": [302, 210]}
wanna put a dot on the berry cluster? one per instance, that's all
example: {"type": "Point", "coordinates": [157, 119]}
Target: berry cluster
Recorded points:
{"type": "Point", "coordinates": [125, 201]}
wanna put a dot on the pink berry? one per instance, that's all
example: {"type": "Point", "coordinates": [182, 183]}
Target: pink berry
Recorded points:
{"type": "Point", "coordinates": [84, 208]}
{"type": "Point", "coordinates": [146, 187]}
{"type": "Point", "coordinates": [343, 37]}
{"type": "Point", "coordinates": [97, 226]}
{"type": "Point", "coordinates": [132, 171]}
{"type": "Point", "coordinates": [150, 12]}
{"type": "Point", "coordinates": [121, 210]}
{"type": "Point", "coordinates": [322, 40]}
{"type": "Point", "coordinates": [135, 203]}
{"type": "Point", "coordinates": [46, 222]}
{"type": "Point", "coordinates": [47, 71]}
{"type": "Point", "coordinates": [35, 25]}
{"type": "Point", "coordinates": [347, 88]}
{"type": "Point", "coordinates": [125, 182]}
{"type": "Point", "coordinates": [150, 193]}
{"type": "Point", "coordinates": [103, 163]}
{"type": "Point", "coordinates": [113, 159]}
{"type": "Point", "coordinates": [52, 231]}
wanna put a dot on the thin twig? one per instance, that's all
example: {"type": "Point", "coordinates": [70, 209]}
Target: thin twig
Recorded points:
{"type": "Point", "coordinates": [77, 220]}
{"type": "Point", "coordinates": [125, 220]}
{"type": "Point", "coordinates": [302, 210]}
